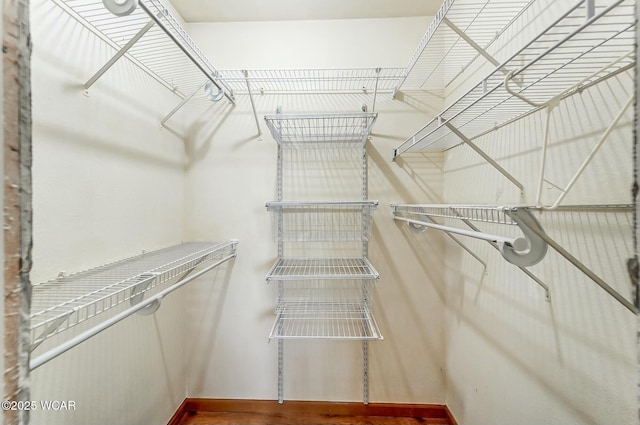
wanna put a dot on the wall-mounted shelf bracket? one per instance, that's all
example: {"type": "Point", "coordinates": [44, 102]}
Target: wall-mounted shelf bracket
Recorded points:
{"type": "Point", "coordinates": [253, 105]}
{"type": "Point", "coordinates": [118, 55]}
{"type": "Point", "coordinates": [486, 157]}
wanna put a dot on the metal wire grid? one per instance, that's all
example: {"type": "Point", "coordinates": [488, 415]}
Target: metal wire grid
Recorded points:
{"type": "Point", "coordinates": [325, 310]}
{"type": "Point", "coordinates": [312, 81]}
{"type": "Point", "coordinates": [487, 214]}
{"type": "Point", "coordinates": [321, 268]}
{"type": "Point", "coordinates": [348, 130]}
{"type": "Point", "coordinates": [64, 302]}
{"type": "Point", "coordinates": [569, 56]}
{"type": "Point", "coordinates": [323, 221]}
{"type": "Point", "coordinates": [483, 21]}
{"type": "Point", "coordinates": [155, 52]}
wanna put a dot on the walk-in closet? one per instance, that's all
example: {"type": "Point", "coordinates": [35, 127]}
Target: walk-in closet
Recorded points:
{"type": "Point", "coordinates": [296, 212]}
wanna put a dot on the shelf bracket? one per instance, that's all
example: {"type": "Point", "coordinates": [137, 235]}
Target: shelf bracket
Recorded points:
{"type": "Point", "coordinates": [584, 269]}
{"type": "Point", "coordinates": [182, 103]}
{"type": "Point", "coordinates": [253, 105]}
{"type": "Point", "coordinates": [486, 157]}
{"type": "Point", "coordinates": [118, 55]}
{"type": "Point", "coordinates": [473, 44]}
{"type": "Point", "coordinates": [544, 286]}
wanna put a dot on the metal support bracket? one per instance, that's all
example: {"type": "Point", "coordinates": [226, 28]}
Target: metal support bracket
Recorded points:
{"type": "Point", "coordinates": [486, 157]}
{"type": "Point", "coordinates": [181, 104]}
{"type": "Point", "coordinates": [118, 55]}
{"type": "Point", "coordinates": [253, 105]}
{"type": "Point", "coordinates": [544, 286]}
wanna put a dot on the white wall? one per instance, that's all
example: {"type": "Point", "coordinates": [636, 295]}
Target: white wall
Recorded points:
{"type": "Point", "coordinates": [511, 356]}
{"type": "Point", "coordinates": [108, 182]}
{"type": "Point", "coordinates": [232, 174]}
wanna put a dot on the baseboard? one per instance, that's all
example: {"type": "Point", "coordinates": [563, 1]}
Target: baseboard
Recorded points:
{"type": "Point", "coordinates": [434, 411]}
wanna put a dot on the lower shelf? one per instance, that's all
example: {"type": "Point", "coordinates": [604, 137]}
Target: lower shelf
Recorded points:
{"type": "Point", "coordinates": [324, 320]}
{"type": "Point", "coordinates": [69, 300]}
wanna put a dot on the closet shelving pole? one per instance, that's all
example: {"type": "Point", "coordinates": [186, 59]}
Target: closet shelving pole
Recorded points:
{"type": "Point", "coordinates": [522, 251]}
{"type": "Point", "coordinates": [141, 281]}
{"type": "Point", "coordinates": [152, 38]}
{"type": "Point", "coordinates": [573, 53]}
{"type": "Point", "coordinates": [326, 297]}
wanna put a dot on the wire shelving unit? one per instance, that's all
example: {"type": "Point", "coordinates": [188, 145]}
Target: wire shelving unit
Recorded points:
{"type": "Point", "coordinates": [70, 300]}
{"type": "Point", "coordinates": [586, 45]}
{"type": "Point", "coordinates": [153, 39]}
{"type": "Point", "coordinates": [312, 81]}
{"type": "Point", "coordinates": [461, 33]}
{"type": "Point", "coordinates": [523, 250]}
{"type": "Point", "coordinates": [326, 130]}
{"type": "Point", "coordinates": [324, 221]}
{"type": "Point", "coordinates": [327, 297]}
{"type": "Point", "coordinates": [326, 310]}
{"type": "Point", "coordinates": [322, 268]}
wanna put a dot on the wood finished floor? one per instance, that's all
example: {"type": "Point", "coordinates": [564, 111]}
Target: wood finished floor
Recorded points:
{"type": "Point", "coordinates": [241, 418]}
{"type": "Point", "coordinates": [195, 411]}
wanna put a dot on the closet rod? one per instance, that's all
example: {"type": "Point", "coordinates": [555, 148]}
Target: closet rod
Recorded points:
{"type": "Point", "coordinates": [181, 46]}
{"type": "Point", "coordinates": [66, 346]}
{"type": "Point", "coordinates": [471, 233]}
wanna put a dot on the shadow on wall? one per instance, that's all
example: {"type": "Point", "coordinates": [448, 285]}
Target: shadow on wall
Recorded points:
{"type": "Point", "coordinates": [206, 302]}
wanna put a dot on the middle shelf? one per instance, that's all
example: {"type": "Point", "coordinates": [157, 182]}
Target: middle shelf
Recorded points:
{"type": "Point", "coordinates": [322, 268]}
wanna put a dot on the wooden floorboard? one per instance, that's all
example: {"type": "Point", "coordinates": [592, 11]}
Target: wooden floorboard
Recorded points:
{"type": "Point", "coordinates": [239, 418]}
{"type": "Point", "coordinates": [265, 412]}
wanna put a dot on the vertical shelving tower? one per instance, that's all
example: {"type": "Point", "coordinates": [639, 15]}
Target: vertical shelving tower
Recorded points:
{"type": "Point", "coordinates": [322, 275]}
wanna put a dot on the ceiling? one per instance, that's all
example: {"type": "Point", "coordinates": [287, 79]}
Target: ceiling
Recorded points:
{"type": "Point", "coordinates": [280, 10]}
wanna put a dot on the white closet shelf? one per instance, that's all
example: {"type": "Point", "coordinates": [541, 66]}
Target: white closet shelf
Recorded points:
{"type": "Point", "coordinates": [460, 33]}
{"type": "Point", "coordinates": [321, 268]}
{"type": "Point", "coordinates": [522, 251]}
{"type": "Point", "coordinates": [313, 221]}
{"type": "Point", "coordinates": [573, 53]}
{"type": "Point", "coordinates": [69, 300]}
{"type": "Point", "coordinates": [325, 130]}
{"type": "Point", "coordinates": [312, 81]}
{"type": "Point", "coordinates": [153, 39]}
{"type": "Point", "coordinates": [324, 320]}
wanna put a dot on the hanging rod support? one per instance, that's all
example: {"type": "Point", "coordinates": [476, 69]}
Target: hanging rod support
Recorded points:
{"type": "Point", "coordinates": [544, 286]}
{"type": "Point", "coordinates": [375, 92]}
{"type": "Point", "coordinates": [182, 103]}
{"type": "Point", "coordinates": [118, 55]}
{"type": "Point", "coordinates": [66, 346]}
{"type": "Point", "coordinates": [584, 269]}
{"type": "Point", "coordinates": [253, 105]}
{"type": "Point", "coordinates": [486, 157]}
{"type": "Point", "coordinates": [178, 43]}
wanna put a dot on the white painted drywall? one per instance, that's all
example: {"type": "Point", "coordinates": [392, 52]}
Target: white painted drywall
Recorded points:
{"type": "Point", "coordinates": [108, 183]}
{"type": "Point", "coordinates": [232, 174]}
{"type": "Point", "coordinates": [512, 357]}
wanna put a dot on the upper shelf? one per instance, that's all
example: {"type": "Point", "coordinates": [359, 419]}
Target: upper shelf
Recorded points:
{"type": "Point", "coordinates": [338, 130]}
{"type": "Point", "coordinates": [312, 81]}
{"type": "Point", "coordinates": [67, 301]}
{"type": "Point", "coordinates": [573, 53]}
{"type": "Point", "coordinates": [164, 49]}
{"type": "Point", "coordinates": [455, 38]}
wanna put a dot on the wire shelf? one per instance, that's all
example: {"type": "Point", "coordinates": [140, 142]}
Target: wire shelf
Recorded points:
{"type": "Point", "coordinates": [312, 81]}
{"type": "Point", "coordinates": [322, 268]}
{"type": "Point", "coordinates": [481, 213]}
{"type": "Point", "coordinates": [443, 54]}
{"type": "Point", "coordinates": [67, 301]}
{"type": "Point", "coordinates": [323, 221]}
{"type": "Point", "coordinates": [326, 130]}
{"type": "Point", "coordinates": [325, 309]}
{"type": "Point", "coordinates": [155, 52]}
{"type": "Point", "coordinates": [324, 321]}
{"type": "Point", "coordinates": [571, 55]}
